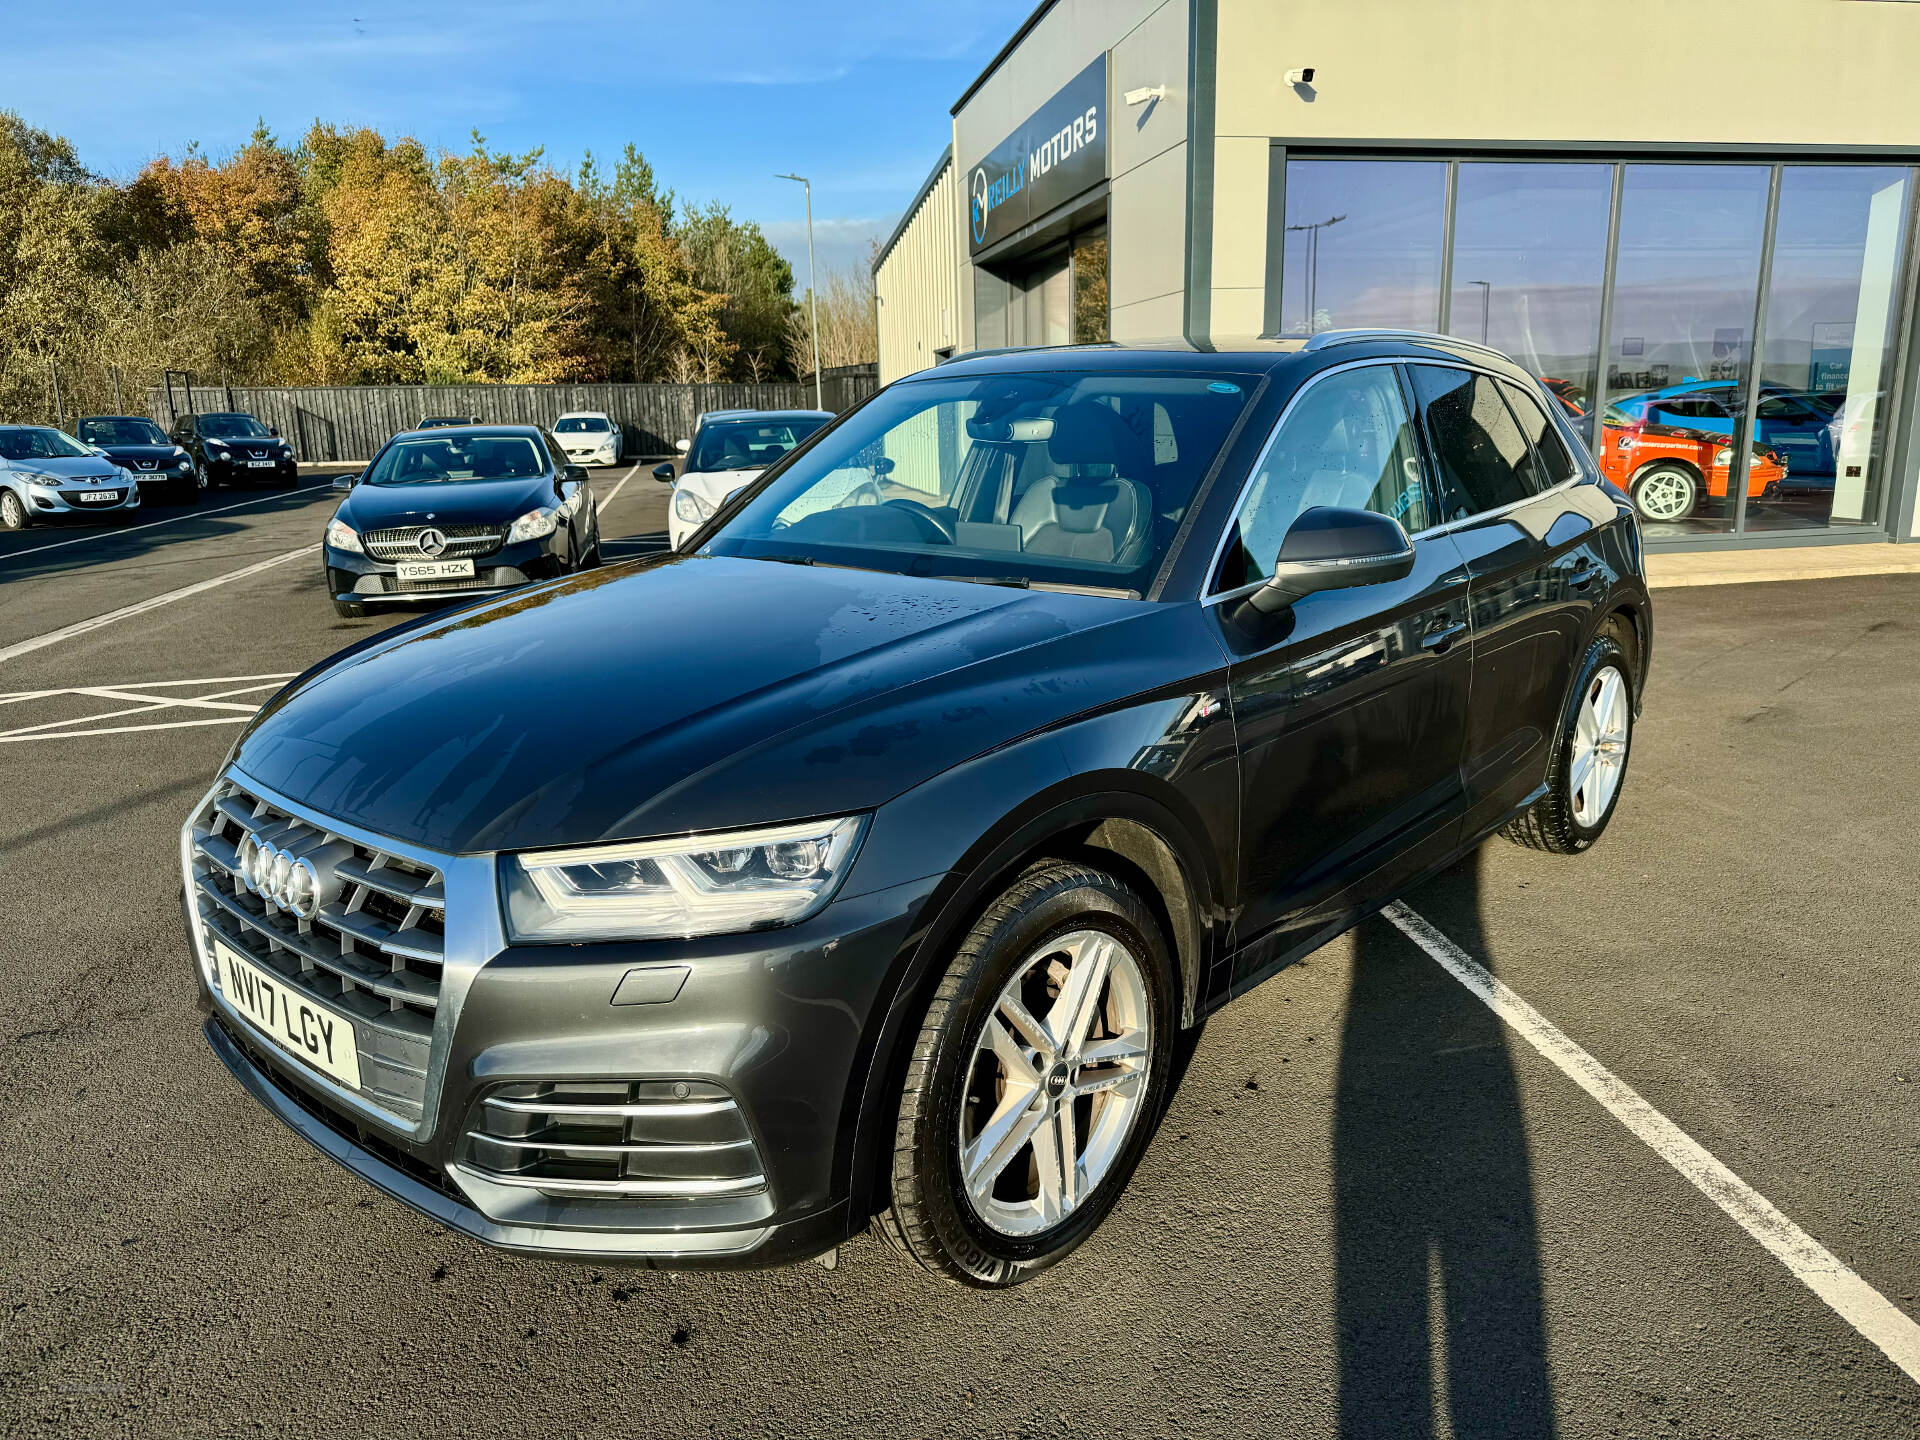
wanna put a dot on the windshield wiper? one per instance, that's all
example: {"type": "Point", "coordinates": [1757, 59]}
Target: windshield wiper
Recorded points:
{"type": "Point", "coordinates": [1015, 582]}
{"type": "Point", "coordinates": [788, 559]}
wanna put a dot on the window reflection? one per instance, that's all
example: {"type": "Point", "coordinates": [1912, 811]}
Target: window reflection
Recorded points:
{"type": "Point", "coordinates": [1828, 352]}
{"type": "Point", "coordinates": [1688, 271]}
{"type": "Point", "coordinates": [1363, 244]}
{"type": "Point", "coordinates": [1529, 266]}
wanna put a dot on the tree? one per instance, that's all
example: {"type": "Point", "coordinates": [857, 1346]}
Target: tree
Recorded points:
{"type": "Point", "coordinates": [732, 259]}
{"type": "Point", "coordinates": [849, 331]}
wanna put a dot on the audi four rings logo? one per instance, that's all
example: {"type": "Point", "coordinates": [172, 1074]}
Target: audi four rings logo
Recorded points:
{"type": "Point", "coordinates": [273, 874]}
{"type": "Point", "coordinates": [431, 542]}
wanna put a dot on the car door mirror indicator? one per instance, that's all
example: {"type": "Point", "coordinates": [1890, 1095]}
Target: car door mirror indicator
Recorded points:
{"type": "Point", "coordinates": [1330, 547]}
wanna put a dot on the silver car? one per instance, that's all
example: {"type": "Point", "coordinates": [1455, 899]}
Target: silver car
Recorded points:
{"type": "Point", "coordinates": [45, 472]}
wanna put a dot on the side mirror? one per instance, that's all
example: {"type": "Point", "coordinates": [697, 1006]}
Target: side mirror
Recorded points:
{"type": "Point", "coordinates": [683, 446]}
{"type": "Point", "coordinates": [345, 482]}
{"type": "Point", "coordinates": [663, 472]}
{"type": "Point", "coordinates": [274, 431]}
{"type": "Point", "coordinates": [1333, 548]}
{"type": "Point", "coordinates": [573, 472]}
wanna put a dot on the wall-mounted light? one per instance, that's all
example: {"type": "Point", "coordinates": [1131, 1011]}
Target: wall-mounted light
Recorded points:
{"type": "Point", "coordinates": [1146, 93]}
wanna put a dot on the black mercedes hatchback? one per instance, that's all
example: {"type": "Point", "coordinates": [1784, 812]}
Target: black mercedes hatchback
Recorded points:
{"type": "Point", "coordinates": [453, 512]}
{"type": "Point", "coordinates": [868, 858]}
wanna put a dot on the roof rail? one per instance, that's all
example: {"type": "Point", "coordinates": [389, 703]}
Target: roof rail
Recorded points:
{"type": "Point", "coordinates": [1324, 338]}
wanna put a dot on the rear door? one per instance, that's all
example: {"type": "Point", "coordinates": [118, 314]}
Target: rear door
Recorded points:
{"type": "Point", "coordinates": [1351, 705]}
{"type": "Point", "coordinates": [1527, 538]}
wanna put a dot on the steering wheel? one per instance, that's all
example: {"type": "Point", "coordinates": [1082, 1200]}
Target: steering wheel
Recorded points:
{"type": "Point", "coordinates": [926, 515]}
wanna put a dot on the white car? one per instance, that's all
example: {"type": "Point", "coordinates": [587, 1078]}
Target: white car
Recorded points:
{"type": "Point", "coordinates": [589, 437]}
{"type": "Point", "coordinates": [728, 449]}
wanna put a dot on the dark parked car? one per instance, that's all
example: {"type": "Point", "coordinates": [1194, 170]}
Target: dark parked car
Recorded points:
{"type": "Point", "coordinates": [448, 514]}
{"type": "Point", "coordinates": [142, 449]}
{"type": "Point", "coordinates": [868, 857]}
{"type": "Point", "coordinates": [442, 422]}
{"type": "Point", "coordinates": [234, 448]}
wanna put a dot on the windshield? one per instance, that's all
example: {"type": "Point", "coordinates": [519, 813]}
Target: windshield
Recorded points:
{"type": "Point", "coordinates": [233, 427]}
{"type": "Point", "coordinates": [1076, 480]}
{"type": "Point", "coordinates": [747, 444]}
{"type": "Point", "coordinates": [572, 423]}
{"type": "Point", "coordinates": [442, 461]}
{"type": "Point", "coordinates": [121, 432]}
{"type": "Point", "coordinates": [40, 442]}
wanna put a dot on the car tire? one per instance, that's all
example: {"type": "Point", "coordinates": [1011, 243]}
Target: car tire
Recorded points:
{"type": "Point", "coordinates": [971, 1065]}
{"type": "Point", "coordinates": [203, 477]}
{"type": "Point", "coordinates": [348, 610]}
{"type": "Point", "coordinates": [1665, 492]}
{"type": "Point", "coordinates": [14, 514]}
{"type": "Point", "coordinates": [1589, 767]}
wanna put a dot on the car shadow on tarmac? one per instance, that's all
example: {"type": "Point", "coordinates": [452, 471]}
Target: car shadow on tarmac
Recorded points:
{"type": "Point", "coordinates": [1433, 1190]}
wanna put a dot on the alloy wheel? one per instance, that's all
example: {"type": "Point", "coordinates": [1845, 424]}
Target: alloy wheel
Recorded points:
{"type": "Point", "coordinates": [1057, 1082]}
{"type": "Point", "coordinates": [201, 480]}
{"type": "Point", "coordinates": [1599, 755]}
{"type": "Point", "coordinates": [13, 515]}
{"type": "Point", "coordinates": [1665, 494]}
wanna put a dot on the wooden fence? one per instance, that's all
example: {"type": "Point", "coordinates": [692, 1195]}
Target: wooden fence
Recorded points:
{"type": "Point", "coordinates": [351, 422]}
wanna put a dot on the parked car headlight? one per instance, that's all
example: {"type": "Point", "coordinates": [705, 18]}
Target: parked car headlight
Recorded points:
{"type": "Point", "coordinates": [534, 525]}
{"type": "Point", "coordinates": [691, 885]}
{"type": "Point", "coordinates": [1724, 455]}
{"type": "Point", "coordinates": [342, 536]}
{"type": "Point", "coordinates": [689, 506]}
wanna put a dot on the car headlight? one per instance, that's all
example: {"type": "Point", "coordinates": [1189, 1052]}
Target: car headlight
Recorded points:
{"type": "Point", "coordinates": [342, 536]}
{"type": "Point", "coordinates": [534, 525]}
{"type": "Point", "coordinates": [1723, 456]}
{"type": "Point", "coordinates": [690, 507]}
{"type": "Point", "coordinates": [691, 885]}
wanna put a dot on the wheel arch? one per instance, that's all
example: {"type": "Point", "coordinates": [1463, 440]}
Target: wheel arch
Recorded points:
{"type": "Point", "coordinates": [1113, 822]}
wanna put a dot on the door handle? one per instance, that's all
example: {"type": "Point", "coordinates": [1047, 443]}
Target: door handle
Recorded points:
{"type": "Point", "coordinates": [1441, 635]}
{"type": "Point", "coordinates": [1583, 574]}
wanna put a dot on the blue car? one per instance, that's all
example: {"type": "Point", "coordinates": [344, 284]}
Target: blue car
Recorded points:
{"type": "Point", "coordinates": [1795, 425]}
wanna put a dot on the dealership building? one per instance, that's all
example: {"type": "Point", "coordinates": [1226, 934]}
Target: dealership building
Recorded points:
{"type": "Point", "coordinates": [1696, 222]}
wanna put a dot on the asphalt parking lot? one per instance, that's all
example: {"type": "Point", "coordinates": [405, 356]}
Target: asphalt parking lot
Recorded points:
{"type": "Point", "coordinates": [1374, 1209]}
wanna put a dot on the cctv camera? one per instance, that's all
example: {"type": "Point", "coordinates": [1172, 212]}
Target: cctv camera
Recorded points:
{"type": "Point", "coordinates": [1303, 76]}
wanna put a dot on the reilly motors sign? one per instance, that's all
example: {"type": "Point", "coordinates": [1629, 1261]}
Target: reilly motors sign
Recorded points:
{"type": "Point", "coordinates": [1060, 151]}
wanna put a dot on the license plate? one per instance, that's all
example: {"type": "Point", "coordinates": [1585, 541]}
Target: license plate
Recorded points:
{"type": "Point", "coordinates": [436, 569]}
{"type": "Point", "coordinates": [321, 1037]}
{"type": "Point", "coordinates": [97, 497]}
{"type": "Point", "coordinates": [260, 464]}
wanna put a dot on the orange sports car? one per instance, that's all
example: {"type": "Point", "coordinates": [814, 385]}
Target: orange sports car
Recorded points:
{"type": "Point", "coordinates": [1665, 469]}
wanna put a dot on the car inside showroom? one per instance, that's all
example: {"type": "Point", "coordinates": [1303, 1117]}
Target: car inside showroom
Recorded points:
{"type": "Point", "coordinates": [1709, 265]}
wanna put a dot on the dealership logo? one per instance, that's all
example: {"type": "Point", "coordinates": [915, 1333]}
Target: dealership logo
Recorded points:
{"type": "Point", "coordinates": [1055, 155]}
{"type": "Point", "coordinates": [979, 190]}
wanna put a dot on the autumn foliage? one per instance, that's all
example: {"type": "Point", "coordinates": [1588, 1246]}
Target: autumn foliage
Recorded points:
{"type": "Point", "coordinates": [352, 258]}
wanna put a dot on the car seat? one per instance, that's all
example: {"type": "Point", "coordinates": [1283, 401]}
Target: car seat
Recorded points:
{"type": "Point", "coordinates": [1093, 509]}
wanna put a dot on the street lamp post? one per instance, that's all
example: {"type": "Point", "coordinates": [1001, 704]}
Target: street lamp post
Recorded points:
{"type": "Point", "coordinates": [813, 289]}
{"type": "Point", "coordinates": [1313, 266]}
{"type": "Point", "coordinates": [1486, 303]}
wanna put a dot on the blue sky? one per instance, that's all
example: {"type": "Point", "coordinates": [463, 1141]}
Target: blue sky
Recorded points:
{"type": "Point", "coordinates": [718, 94]}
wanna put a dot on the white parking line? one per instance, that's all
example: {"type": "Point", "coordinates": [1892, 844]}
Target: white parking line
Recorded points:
{"type": "Point", "coordinates": [125, 612]}
{"type": "Point", "coordinates": [170, 520]}
{"type": "Point", "coordinates": [12, 697]}
{"type": "Point", "coordinates": [617, 489]}
{"type": "Point", "coordinates": [148, 704]}
{"type": "Point", "coordinates": [1892, 1331]}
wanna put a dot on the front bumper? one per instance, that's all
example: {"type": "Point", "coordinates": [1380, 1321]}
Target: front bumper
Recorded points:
{"type": "Point", "coordinates": [239, 470]}
{"type": "Point", "coordinates": [780, 1022]}
{"type": "Point", "coordinates": [65, 499]}
{"type": "Point", "coordinates": [362, 580]}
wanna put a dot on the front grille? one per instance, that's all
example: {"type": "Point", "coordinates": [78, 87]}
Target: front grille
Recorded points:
{"type": "Point", "coordinates": [484, 578]}
{"type": "Point", "coordinates": [619, 1139]}
{"type": "Point", "coordinates": [374, 951]}
{"type": "Point", "coordinates": [464, 542]}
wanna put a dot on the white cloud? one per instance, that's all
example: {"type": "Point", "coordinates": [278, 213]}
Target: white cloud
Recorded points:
{"type": "Point", "coordinates": [837, 243]}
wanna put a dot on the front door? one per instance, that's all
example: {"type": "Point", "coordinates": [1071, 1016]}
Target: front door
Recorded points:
{"type": "Point", "coordinates": [1350, 705]}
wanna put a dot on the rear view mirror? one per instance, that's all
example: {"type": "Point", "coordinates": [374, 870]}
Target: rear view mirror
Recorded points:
{"type": "Point", "coordinates": [663, 472]}
{"type": "Point", "coordinates": [1332, 548]}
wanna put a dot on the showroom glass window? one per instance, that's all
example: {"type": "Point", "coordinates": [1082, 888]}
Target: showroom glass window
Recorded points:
{"type": "Point", "coordinates": [1363, 244]}
{"type": "Point", "coordinates": [1530, 267]}
{"type": "Point", "coordinates": [1685, 285]}
{"type": "Point", "coordinates": [1828, 350]}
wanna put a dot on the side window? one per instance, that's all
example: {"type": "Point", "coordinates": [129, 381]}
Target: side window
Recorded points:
{"type": "Point", "coordinates": [1552, 463]}
{"type": "Point", "coordinates": [1348, 442]}
{"type": "Point", "coordinates": [1480, 448]}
